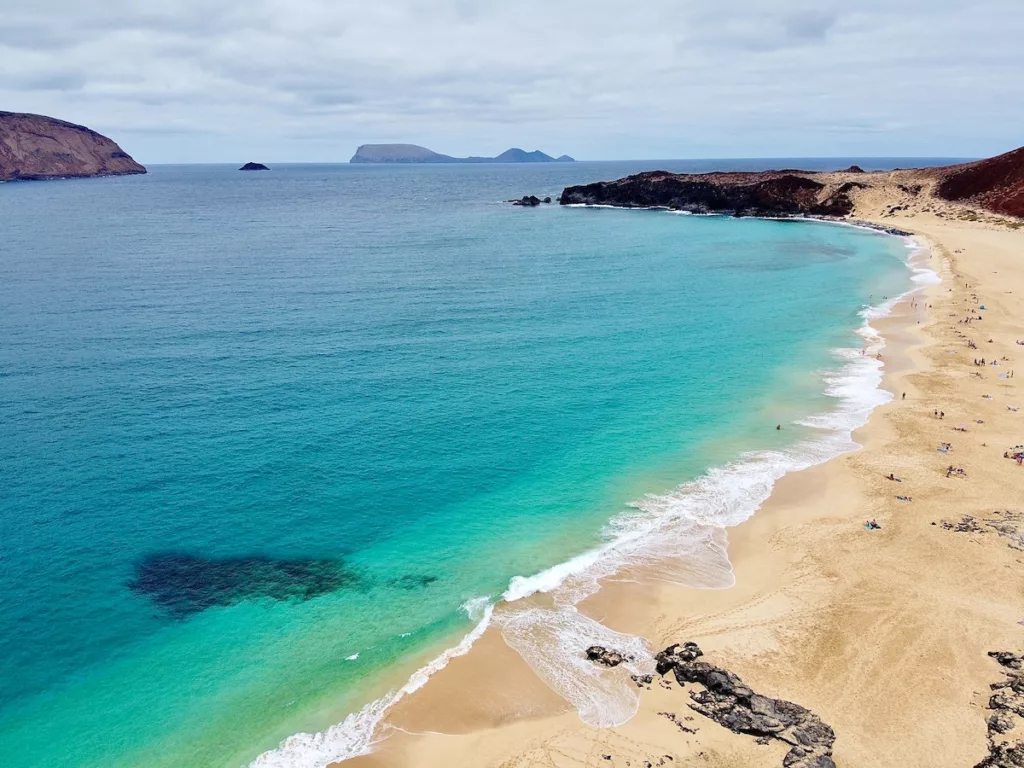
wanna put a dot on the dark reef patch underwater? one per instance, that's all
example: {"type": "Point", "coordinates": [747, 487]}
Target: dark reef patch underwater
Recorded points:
{"type": "Point", "coordinates": [185, 584]}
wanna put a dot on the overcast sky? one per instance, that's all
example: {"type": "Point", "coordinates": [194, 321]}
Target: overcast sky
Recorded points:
{"type": "Point", "coordinates": [309, 80]}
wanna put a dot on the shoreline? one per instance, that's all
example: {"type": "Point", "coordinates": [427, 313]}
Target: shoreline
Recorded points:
{"type": "Point", "coordinates": [788, 594]}
{"type": "Point", "coordinates": [537, 591]}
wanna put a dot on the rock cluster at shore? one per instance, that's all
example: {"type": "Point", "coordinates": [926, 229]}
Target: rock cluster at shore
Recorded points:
{"type": "Point", "coordinates": [1005, 743]}
{"type": "Point", "coordinates": [39, 147]}
{"type": "Point", "coordinates": [604, 656]}
{"type": "Point", "coordinates": [733, 704]}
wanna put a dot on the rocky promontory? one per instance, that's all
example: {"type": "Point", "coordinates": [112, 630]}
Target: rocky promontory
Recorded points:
{"type": "Point", "coordinates": [40, 147]}
{"type": "Point", "coordinates": [995, 185]}
{"type": "Point", "coordinates": [755, 194]}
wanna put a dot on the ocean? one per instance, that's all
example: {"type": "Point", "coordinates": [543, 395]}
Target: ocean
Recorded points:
{"type": "Point", "coordinates": [271, 442]}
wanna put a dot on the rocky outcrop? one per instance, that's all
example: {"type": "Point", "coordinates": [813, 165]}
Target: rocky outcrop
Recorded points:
{"type": "Point", "coordinates": [254, 167]}
{"type": "Point", "coordinates": [605, 656]}
{"type": "Point", "coordinates": [40, 147]}
{"type": "Point", "coordinates": [530, 201]}
{"type": "Point", "coordinates": [1008, 524]}
{"type": "Point", "coordinates": [1007, 707]}
{"type": "Point", "coordinates": [996, 184]}
{"type": "Point", "coordinates": [730, 702]}
{"type": "Point", "coordinates": [771, 193]}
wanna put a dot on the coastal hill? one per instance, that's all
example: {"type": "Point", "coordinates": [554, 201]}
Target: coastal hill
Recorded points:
{"type": "Point", "coordinates": [995, 185]}
{"type": "Point", "coordinates": [413, 153]}
{"type": "Point", "coordinates": [40, 147]}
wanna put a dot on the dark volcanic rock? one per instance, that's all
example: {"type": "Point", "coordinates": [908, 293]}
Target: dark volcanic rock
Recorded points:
{"type": "Point", "coordinates": [184, 584]}
{"type": "Point", "coordinates": [529, 201]}
{"type": "Point", "coordinates": [1007, 659]}
{"type": "Point", "coordinates": [730, 702]}
{"type": "Point", "coordinates": [254, 167]}
{"type": "Point", "coordinates": [604, 656]}
{"type": "Point", "coordinates": [772, 193]}
{"type": "Point", "coordinates": [1007, 705]}
{"type": "Point", "coordinates": [39, 147]}
{"type": "Point", "coordinates": [996, 184]}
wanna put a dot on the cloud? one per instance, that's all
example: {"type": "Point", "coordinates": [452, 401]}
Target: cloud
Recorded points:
{"type": "Point", "coordinates": [311, 79]}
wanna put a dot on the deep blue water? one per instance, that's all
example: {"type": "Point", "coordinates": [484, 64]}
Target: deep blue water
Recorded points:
{"type": "Point", "coordinates": [254, 424]}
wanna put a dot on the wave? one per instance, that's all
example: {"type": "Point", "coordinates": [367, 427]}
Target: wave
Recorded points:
{"type": "Point", "coordinates": [354, 735]}
{"type": "Point", "coordinates": [680, 536]}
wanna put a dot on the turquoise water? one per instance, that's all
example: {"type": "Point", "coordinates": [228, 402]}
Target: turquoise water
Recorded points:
{"type": "Point", "coordinates": [255, 425]}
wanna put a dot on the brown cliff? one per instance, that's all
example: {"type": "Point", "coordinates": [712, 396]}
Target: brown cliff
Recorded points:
{"type": "Point", "coordinates": [995, 185]}
{"type": "Point", "coordinates": [39, 147]}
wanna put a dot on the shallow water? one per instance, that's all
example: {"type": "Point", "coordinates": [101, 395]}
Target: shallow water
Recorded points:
{"type": "Point", "coordinates": [265, 435]}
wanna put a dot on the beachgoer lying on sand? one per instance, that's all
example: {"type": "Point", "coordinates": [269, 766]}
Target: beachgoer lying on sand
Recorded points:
{"type": "Point", "coordinates": [871, 525]}
{"type": "Point", "coordinates": [905, 498]}
{"type": "Point", "coordinates": [893, 477]}
{"type": "Point", "coordinates": [1013, 408]}
{"type": "Point", "coordinates": [960, 428]}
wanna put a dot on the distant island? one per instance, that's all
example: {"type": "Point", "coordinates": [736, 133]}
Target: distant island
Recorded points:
{"type": "Point", "coordinates": [40, 147]}
{"type": "Point", "coordinates": [254, 167]}
{"type": "Point", "coordinates": [412, 153]}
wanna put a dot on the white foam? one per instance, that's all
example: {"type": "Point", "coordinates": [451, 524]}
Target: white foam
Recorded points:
{"type": "Point", "coordinates": [354, 736]}
{"type": "Point", "coordinates": [552, 641]}
{"type": "Point", "coordinates": [681, 535]}
{"type": "Point", "coordinates": [353, 657]}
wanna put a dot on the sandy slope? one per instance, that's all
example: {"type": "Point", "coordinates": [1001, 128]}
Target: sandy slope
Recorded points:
{"type": "Point", "coordinates": [884, 633]}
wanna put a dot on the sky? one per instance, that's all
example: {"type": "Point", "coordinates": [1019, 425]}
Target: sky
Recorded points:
{"type": "Point", "coordinates": [310, 80]}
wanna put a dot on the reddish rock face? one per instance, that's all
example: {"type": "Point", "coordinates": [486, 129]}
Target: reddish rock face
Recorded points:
{"type": "Point", "coordinates": [39, 147]}
{"type": "Point", "coordinates": [996, 183]}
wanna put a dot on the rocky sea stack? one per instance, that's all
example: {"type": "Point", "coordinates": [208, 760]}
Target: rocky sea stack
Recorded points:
{"type": "Point", "coordinates": [254, 167]}
{"type": "Point", "coordinates": [40, 147]}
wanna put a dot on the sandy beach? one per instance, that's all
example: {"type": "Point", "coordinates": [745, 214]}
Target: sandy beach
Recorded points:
{"type": "Point", "coordinates": [884, 634]}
